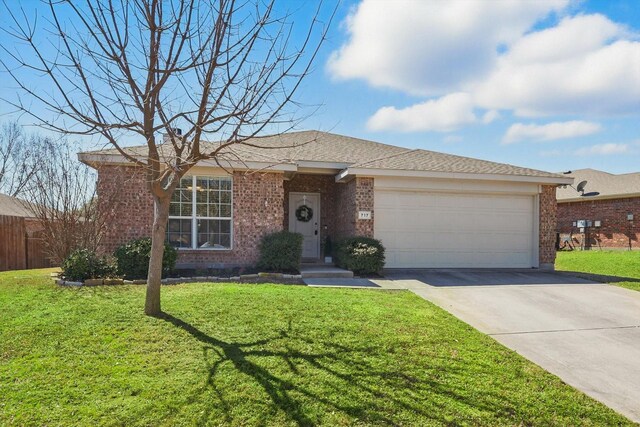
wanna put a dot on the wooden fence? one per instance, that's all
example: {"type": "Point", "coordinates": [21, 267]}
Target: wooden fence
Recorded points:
{"type": "Point", "coordinates": [20, 250]}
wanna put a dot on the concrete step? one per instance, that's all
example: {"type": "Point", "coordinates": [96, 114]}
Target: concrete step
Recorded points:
{"type": "Point", "coordinates": [324, 272]}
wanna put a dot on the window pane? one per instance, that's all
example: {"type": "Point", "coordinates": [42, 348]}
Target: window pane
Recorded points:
{"type": "Point", "coordinates": [185, 195]}
{"type": "Point", "coordinates": [225, 184]}
{"type": "Point", "coordinates": [225, 211]}
{"type": "Point", "coordinates": [201, 209]}
{"type": "Point", "coordinates": [213, 210]}
{"type": "Point", "coordinates": [174, 209]}
{"type": "Point", "coordinates": [225, 197]}
{"type": "Point", "coordinates": [179, 233]}
{"type": "Point", "coordinates": [174, 225]}
{"type": "Point", "coordinates": [187, 209]}
{"type": "Point", "coordinates": [185, 181]}
{"type": "Point", "coordinates": [214, 197]}
{"type": "Point", "coordinates": [209, 238]}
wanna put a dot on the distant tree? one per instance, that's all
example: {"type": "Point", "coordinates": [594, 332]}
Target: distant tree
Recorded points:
{"type": "Point", "coordinates": [61, 195]}
{"type": "Point", "coordinates": [21, 155]}
{"type": "Point", "coordinates": [221, 70]}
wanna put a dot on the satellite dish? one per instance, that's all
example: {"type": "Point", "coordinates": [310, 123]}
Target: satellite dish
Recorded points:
{"type": "Point", "coordinates": [581, 186]}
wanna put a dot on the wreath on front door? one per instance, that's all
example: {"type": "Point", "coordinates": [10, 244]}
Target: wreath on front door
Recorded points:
{"type": "Point", "coordinates": [304, 213]}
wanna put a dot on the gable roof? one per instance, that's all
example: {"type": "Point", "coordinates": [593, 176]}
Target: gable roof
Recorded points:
{"type": "Point", "coordinates": [12, 206]}
{"type": "Point", "coordinates": [610, 186]}
{"type": "Point", "coordinates": [314, 148]}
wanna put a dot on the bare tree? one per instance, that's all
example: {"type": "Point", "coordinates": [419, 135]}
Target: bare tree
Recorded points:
{"type": "Point", "coordinates": [221, 70]}
{"type": "Point", "coordinates": [61, 195]}
{"type": "Point", "coordinates": [21, 155]}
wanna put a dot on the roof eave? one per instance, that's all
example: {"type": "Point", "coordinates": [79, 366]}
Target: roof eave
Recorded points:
{"type": "Point", "coordinates": [95, 160]}
{"type": "Point", "coordinates": [603, 197]}
{"type": "Point", "coordinates": [347, 173]}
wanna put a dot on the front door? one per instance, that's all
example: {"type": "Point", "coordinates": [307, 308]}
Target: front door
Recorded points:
{"type": "Point", "coordinates": [304, 218]}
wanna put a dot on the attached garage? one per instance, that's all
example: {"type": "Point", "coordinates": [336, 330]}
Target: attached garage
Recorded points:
{"type": "Point", "coordinates": [448, 224]}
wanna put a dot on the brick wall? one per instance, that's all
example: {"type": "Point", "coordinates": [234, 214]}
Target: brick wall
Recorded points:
{"type": "Point", "coordinates": [323, 184]}
{"type": "Point", "coordinates": [125, 200]}
{"type": "Point", "coordinates": [615, 230]}
{"type": "Point", "coordinates": [547, 228]}
{"type": "Point", "coordinates": [351, 197]}
{"type": "Point", "coordinates": [258, 201]}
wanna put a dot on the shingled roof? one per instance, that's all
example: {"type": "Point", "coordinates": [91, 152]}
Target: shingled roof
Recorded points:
{"type": "Point", "coordinates": [12, 206]}
{"type": "Point", "coordinates": [607, 184]}
{"type": "Point", "coordinates": [345, 151]}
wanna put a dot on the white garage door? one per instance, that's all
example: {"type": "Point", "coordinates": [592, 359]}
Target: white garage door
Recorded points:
{"type": "Point", "coordinates": [448, 230]}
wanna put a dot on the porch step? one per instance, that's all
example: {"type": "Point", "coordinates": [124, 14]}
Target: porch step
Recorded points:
{"type": "Point", "coordinates": [320, 271]}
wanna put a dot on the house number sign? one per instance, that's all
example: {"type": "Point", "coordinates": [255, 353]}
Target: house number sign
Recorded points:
{"type": "Point", "coordinates": [364, 214]}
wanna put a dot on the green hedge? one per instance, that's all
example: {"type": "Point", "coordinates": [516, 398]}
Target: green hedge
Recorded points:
{"type": "Point", "coordinates": [281, 251]}
{"type": "Point", "coordinates": [83, 264]}
{"type": "Point", "coordinates": [362, 255]}
{"type": "Point", "coordinates": [133, 258]}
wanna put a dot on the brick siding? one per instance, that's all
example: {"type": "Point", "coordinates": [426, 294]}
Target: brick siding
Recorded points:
{"type": "Point", "coordinates": [351, 197]}
{"type": "Point", "coordinates": [258, 200]}
{"type": "Point", "coordinates": [615, 231]}
{"type": "Point", "coordinates": [126, 203]}
{"type": "Point", "coordinates": [547, 227]}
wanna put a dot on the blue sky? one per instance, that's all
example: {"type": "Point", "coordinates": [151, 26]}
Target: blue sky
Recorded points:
{"type": "Point", "coordinates": [552, 85]}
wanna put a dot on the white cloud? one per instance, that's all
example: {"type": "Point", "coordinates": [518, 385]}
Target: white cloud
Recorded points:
{"type": "Point", "coordinates": [431, 47]}
{"type": "Point", "coordinates": [583, 65]}
{"type": "Point", "coordinates": [490, 116]}
{"type": "Point", "coordinates": [573, 68]}
{"type": "Point", "coordinates": [550, 131]}
{"type": "Point", "coordinates": [602, 149]}
{"type": "Point", "coordinates": [443, 114]}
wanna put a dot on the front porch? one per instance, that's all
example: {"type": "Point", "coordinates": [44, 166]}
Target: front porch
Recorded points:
{"type": "Point", "coordinates": [322, 209]}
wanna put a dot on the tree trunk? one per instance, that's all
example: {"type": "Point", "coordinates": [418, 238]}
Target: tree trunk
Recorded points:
{"type": "Point", "coordinates": [160, 218]}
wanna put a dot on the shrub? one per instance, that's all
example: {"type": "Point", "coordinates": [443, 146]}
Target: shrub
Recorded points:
{"type": "Point", "coordinates": [83, 264]}
{"type": "Point", "coordinates": [281, 251]}
{"type": "Point", "coordinates": [133, 258]}
{"type": "Point", "coordinates": [362, 255]}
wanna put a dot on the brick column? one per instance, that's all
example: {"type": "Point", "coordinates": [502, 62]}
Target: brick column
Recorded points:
{"type": "Point", "coordinates": [351, 197]}
{"type": "Point", "coordinates": [547, 228]}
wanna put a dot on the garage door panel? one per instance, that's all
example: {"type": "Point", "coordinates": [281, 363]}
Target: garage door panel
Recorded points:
{"type": "Point", "coordinates": [442, 230]}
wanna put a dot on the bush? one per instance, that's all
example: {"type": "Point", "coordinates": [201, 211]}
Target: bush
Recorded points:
{"type": "Point", "coordinates": [83, 264]}
{"type": "Point", "coordinates": [133, 258]}
{"type": "Point", "coordinates": [281, 251]}
{"type": "Point", "coordinates": [362, 255]}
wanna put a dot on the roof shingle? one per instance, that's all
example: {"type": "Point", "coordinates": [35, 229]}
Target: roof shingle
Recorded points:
{"type": "Point", "coordinates": [316, 146]}
{"type": "Point", "coordinates": [607, 184]}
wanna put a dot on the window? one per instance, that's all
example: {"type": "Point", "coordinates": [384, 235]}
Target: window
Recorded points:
{"type": "Point", "coordinates": [200, 213]}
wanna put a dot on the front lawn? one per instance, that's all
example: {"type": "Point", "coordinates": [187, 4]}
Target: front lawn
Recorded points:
{"type": "Point", "coordinates": [231, 354]}
{"type": "Point", "coordinates": [609, 263]}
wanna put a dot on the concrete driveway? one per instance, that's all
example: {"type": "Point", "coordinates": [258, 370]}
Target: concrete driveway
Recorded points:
{"type": "Point", "coordinates": [584, 332]}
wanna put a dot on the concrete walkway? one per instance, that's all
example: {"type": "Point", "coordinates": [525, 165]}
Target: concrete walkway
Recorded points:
{"type": "Point", "coordinates": [586, 333]}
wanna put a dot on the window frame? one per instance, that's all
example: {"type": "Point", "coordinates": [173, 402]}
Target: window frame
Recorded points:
{"type": "Point", "coordinates": [194, 218]}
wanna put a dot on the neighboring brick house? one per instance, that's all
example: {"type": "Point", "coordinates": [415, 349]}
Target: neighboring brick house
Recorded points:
{"type": "Point", "coordinates": [610, 219]}
{"type": "Point", "coordinates": [429, 209]}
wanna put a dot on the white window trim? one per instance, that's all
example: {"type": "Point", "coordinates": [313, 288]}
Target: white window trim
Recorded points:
{"type": "Point", "coordinates": [194, 218]}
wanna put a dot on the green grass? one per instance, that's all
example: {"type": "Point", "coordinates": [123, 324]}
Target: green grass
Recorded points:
{"type": "Point", "coordinates": [609, 263]}
{"type": "Point", "coordinates": [231, 354]}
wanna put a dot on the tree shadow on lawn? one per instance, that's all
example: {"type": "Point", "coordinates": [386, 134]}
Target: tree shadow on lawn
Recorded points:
{"type": "Point", "coordinates": [377, 394]}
